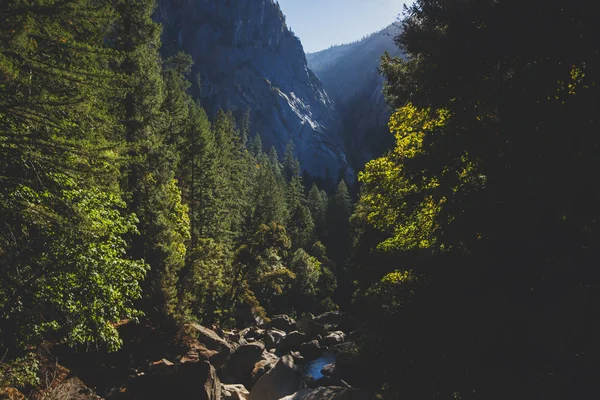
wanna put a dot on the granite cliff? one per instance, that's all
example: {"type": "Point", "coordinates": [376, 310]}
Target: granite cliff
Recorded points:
{"type": "Point", "coordinates": [350, 76]}
{"type": "Point", "coordinates": [248, 59]}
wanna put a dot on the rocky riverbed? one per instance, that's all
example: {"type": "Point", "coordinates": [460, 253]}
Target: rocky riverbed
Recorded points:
{"type": "Point", "coordinates": [270, 361]}
{"type": "Point", "coordinates": [307, 359]}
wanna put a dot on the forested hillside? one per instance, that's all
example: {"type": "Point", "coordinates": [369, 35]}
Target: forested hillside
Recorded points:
{"type": "Point", "coordinates": [477, 234]}
{"type": "Point", "coordinates": [150, 249]}
{"type": "Point", "coordinates": [120, 200]}
{"type": "Point", "coordinates": [248, 59]}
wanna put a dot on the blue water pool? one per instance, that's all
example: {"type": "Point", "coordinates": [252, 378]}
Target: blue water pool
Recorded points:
{"type": "Point", "coordinates": [313, 368]}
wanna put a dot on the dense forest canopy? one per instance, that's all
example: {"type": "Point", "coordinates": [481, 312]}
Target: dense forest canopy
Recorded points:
{"type": "Point", "coordinates": [469, 258]}
{"type": "Point", "coordinates": [119, 198]}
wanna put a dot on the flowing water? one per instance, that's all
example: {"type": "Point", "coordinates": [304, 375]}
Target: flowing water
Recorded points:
{"type": "Point", "coordinates": [313, 368]}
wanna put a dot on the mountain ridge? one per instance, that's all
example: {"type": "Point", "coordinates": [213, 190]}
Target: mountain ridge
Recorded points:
{"type": "Point", "coordinates": [349, 73]}
{"type": "Point", "coordinates": [249, 59]}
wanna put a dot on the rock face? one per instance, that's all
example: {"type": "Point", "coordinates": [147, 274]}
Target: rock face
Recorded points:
{"type": "Point", "coordinates": [248, 58]}
{"type": "Point", "coordinates": [330, 393]}
{"type": "Point", "coordinates": [349, 75]}
{"type": "Point", "coordinates": [284, 379]}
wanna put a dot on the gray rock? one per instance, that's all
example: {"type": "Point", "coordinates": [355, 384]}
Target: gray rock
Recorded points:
{"type": "Point", "coordinates": [265, 364]}
{"type": "Point", "coordinates": [308, 325]}
{"type": "Point", "coordinates": [234, 392]}
{"type": "Point", "coordinates": [283, 323]}
{"type": "Point", "coordinates": [272, 338]}
{"type": "Point", "coordinates": [349, 74]}
{"type": "Point", "coordinates": [284, 379]}
{"type": "Point", "coordinates": [249, 59]}
{"type": "Point", "coordinates": [291, 341]}
{"type": "Point", "coordinates": [334, 338]}
{"type": "Point", "coordinates": [241, 363]}
{"type": "Point", "coordinates": [213, 342]}
{"type": "Point", "coordinates": [328, 370]}
{"type": "Point", "coordinates": [311, 350]}
{"type": "Point", "coordinates": [330, 393]}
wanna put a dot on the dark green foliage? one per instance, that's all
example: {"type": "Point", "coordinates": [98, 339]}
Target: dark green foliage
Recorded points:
{"type": "Point", "coordinates": [318, 204]}
{"type": "Point", "coordinates": [269, 194]}
{"type": "Point", "coordinates": [63, 221]}
{"type": "Point", "coordinates": [204, 282]}
{"type": "Point", "coordinates": [259, 263]}
{"type": "Point", "coordinates": [120, 199]}
{"type": "Point", "coordinates": [338, 240]}
{"type": "Point", "coordinates": [151, 115]}
{"type": "Point", "coordinates": [489, 198]}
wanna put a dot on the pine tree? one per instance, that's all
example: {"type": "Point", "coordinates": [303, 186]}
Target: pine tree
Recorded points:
{"type": "Point", "coordinates": [233, 179]}
{"type": "Point", "coordinates": [300, 224]}
{"type": "Point", "coordinates": [291, 166]}
{"type": "Point", "coordinates": [63, 220]}
{"type": "Point", "coordinates": [155, 196]}
{"type": "Point", "coordinates": [318, 203]}
{"type": "Point", "coordinates": [269, 196]}
{"type": "Point", "coordinates": [256, 146]}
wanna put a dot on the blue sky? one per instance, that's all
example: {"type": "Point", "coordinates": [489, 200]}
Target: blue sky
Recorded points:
{"type": "Point", "coordinates": [322, 23]}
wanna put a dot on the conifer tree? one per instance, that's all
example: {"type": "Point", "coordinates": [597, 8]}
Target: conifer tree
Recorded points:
{"type": "Point", "coordinates": [154, 194]}
{"type": "Point", "coordinates": [318, 203]}
{"type": "Point", "coordinates": [63, 220]}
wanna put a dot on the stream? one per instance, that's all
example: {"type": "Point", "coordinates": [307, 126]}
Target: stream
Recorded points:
{"type": "Point", "coordinates": [313, 368]}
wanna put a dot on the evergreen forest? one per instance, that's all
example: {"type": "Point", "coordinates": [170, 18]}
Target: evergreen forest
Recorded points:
{"type": "Point", "coordinates": [138, 229]}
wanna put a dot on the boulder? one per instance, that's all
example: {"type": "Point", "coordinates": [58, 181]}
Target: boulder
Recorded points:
{"type": "Point", "coordinates": [233, 336]}
{"type": "Point", "coordinates": [311, 328]}
{"type": "Point", "coordinates": [282, 380]}
{"type": "Point", "coordinates": [302, 322]}
{"type": "Point", "coordinates": [197, 380]}
{"type": "Point", "coordinates": [253, 333]}
{"type": "Point", "coordinates": [234, 392]}
{"type": "Point", "coordinates": [284, 323]}
{"type": "Point", "coordinates": [334, 338]}
{"type": "Point", "coordinates": [348, 367]}
{"type": "Point", "coordinates": [330, 393]}
{"type": "Point", "coordinates": [213, 343]}
{"type": "Point", "coordinates": [311, 350]}
{"type": "Point", "coordinates": [328, 370]}
{"type": "Point", "coordinates": [291, 341]}
{"type": "Point", "coordinates": [273, 337]}
{"type": "Point", "coordinates": [297, 356]}
{"type": "Point", "coordinates": [241, 363]}
{"type": "Point", "coordinates": [265, 364]}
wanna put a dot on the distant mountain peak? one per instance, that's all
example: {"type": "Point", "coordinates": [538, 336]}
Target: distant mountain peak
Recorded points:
{"type": "Point", "coordinates": [349, 73]}
{"type": "Point", "coordinates": [248, 58]}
